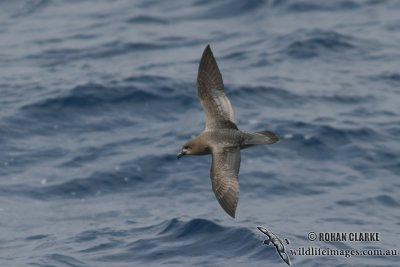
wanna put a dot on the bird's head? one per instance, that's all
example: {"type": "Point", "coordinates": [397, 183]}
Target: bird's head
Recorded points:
{"type": "Point", "coordinates": [186, 150]}
{"type": "Point", "coordinates": [194, 147]}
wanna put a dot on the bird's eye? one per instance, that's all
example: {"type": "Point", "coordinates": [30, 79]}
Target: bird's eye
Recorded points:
{"type": "Point", "coordinates": [186, 147]}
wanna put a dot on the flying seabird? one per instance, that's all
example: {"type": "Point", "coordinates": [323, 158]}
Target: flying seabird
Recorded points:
{"type": "Point", "coordinates": [275, 241]}
{"type": "Point", "coordinates": [221, 137]}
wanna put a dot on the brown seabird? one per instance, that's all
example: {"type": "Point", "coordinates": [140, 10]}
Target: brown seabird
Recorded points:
{"type": "Point", "coordinates": [221, 137]}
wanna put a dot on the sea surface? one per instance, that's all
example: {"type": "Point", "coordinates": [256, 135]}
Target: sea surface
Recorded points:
{"type": "Point", "coordinates": [97, 97]}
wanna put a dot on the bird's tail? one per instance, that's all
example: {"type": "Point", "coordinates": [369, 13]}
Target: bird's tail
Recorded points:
{"type": "Point", "coordinates": [258, 138]}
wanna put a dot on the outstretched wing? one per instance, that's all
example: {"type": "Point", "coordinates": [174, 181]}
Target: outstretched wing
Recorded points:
{"type": "Point", "coordinates": [284, 257]}
{"type": "Point", "coordinates": [263, 230]}
{"type": "Point", "coordinates": [210, 87]}
{"type": "Point", "coordinates": [224, 177]}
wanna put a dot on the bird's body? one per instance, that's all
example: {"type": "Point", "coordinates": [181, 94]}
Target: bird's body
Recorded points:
{"type": "Point", "coordinates": [221, 137]}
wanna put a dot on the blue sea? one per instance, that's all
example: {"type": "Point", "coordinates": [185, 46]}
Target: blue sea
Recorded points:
{"type": "Point", "coordinates": [97, 98]}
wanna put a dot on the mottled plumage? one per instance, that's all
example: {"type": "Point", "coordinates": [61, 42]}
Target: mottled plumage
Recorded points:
{"type": "Point", "coordinates": [275, 241]}
{"type": "Point", "coordinates": [221, 137]}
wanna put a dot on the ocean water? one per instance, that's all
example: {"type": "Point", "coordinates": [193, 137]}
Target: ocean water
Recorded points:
{"type": "Point", "coordinates": [97, 97]}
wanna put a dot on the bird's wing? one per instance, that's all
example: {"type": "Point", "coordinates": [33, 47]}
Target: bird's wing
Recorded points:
{"type": "Point", "coordinates": [263, 230]}
{"type": "Point", "coordinates": [210, 88]}
{"type": "Point", "coordinates": [224, 177]}
{"type": "Point", "coordinates": [285, 257]}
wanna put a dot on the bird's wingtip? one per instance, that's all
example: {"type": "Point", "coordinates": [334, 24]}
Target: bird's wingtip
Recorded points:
{"type": "Point", "coordinates": [262, 229]}
{"type": "Point", "coordinates": [231, 213]}
{"type": "Point", "coordinates": [208, 48]}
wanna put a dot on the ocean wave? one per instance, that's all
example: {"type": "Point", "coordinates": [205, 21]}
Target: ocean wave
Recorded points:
{"type": "Point", "coordinates": [144, 19]}
{"type": "Point", "coordinates": [59, 258]}
{"type": "Point", "coordinates": [28, 8]}
{"type": "Point", "coordinates": [89, 98]}
{"type": "Point", "coordinates": [193, 238]}
{"type": "Point", "coordinates": [386, 201]}
{"type": "Point", "coordinates": [302, 6]}
{"type": "Point", "coordinates": [160, 242]}
{"type": "Point", "coordinates": [312, 6]}
{"type": "Point", "coordinates": [126, 177]}
{"type": "Point", "coordinates": [225, 9]}
{"type": "Point", "coordinates": [272, 96]}
{"type": "Point", "coordinates": [54, 57]}
{"type": "Point", "coordinates": [312, 44]}
{"type": "Point", "coordinates": [389, 77]}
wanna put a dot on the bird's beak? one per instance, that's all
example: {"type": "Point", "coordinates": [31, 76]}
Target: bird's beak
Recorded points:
{"type": "Point", "coordinates": [181, 154]}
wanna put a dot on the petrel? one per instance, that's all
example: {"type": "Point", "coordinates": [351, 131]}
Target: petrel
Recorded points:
{"type": "Point", "coordinates": [275, 241]}
{"type": "Point", "coordinates": [221, 137]}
